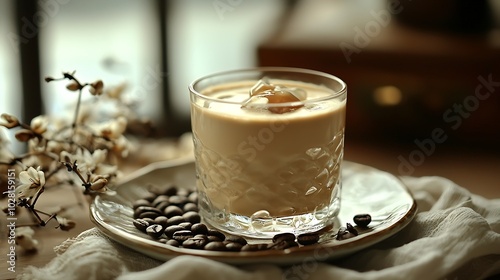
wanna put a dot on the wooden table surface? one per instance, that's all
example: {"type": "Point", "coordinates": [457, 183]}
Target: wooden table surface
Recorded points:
{"type": "Point", "coordinates": [48, 236]}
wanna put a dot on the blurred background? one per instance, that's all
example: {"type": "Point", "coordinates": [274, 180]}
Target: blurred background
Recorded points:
{"type": "Point", "coordinates": [423, 77]}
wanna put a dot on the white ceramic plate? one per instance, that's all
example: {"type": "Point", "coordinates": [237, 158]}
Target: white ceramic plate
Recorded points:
{"type": "Point", "coordinates": [365, 190]}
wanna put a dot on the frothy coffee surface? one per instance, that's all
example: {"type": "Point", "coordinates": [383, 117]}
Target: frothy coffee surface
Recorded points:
{"type": "Point", "coordinates": [252, 160]}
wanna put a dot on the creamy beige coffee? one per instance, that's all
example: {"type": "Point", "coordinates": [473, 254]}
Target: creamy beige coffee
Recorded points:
{"type": "Point", "coordinates": [254, 162]}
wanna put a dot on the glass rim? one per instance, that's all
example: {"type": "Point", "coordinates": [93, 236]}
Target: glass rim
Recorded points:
{"type": "Point", "coordinates": [294, 70]}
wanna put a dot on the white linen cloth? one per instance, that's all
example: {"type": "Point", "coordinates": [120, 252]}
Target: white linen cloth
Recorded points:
{"type": "Point", "coordinates": [455, 235]}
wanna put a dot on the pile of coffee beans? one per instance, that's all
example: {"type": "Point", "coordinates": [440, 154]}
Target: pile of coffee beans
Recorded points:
{"type": "Point", "coordinates": [172, 217]}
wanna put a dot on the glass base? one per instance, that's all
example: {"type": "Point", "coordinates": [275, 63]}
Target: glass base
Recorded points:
{"type": "Point", "coordinates": [262, 226]}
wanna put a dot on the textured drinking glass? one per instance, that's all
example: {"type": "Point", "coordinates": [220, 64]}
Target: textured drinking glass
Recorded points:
{"type": "Point", "coordinates": [271, 162]}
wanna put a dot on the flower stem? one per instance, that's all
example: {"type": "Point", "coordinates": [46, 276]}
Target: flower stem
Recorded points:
{"type": "Point", "coordinates": [33, 211]}
{"type": "Point", "coordinates": [77, 109]}
{"type": "Point", "coordinates": [37, 196]}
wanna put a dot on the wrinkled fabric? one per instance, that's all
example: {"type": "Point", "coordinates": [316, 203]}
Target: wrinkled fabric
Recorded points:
{"type": "Point", "coordinates": [454, 235]}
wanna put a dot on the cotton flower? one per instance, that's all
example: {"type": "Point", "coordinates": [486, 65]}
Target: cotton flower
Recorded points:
{"type": "Point", "coordinates": [91, 162]}
{"type": "Point", "coordinates": [96, 87]}
{"type": "Point", "coordinates": [99, 184]}
{"type": "Point", "coordinates": [113, 129]}
{"type": "Point", "coordinates": [24, 135]}
{"type": "Point", "coordinates": [82, 156]}
{"type": "Point", "coordinates": [122, 146]}
{"type": "Point", "coordinates": [8, 121]}
{"type": "Point", "coordinates": [32, 181]}
{"type": "Point", "coordinates": [24, 238]}
{"type": "Point", "coordinates": [73, 86]}
{"type": "Point", "coordinates": [65, 224]}
{"type": "Point", "coordinates": [39, 124]}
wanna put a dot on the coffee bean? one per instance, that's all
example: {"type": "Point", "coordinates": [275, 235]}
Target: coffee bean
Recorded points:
{"type": "Point", "coordinates": [342, 231]}
{"type": "Point", "coordinates": [193, 197]}
{"type": "Point", "coordinates": [182, 192]}
{"type": "Point", "coordinates": [190, 206]}
{"type": "Point", "coordinates": [186, 225]}
{"type": "Point", "coordinates": [215, 246]}
{"type": "Point", "coordinates": [175, 220]}
{"type": "Point", "coordinates": [250, 248]}
{"type": "Point", "coordinates": [149, 220]}
{"type": "Point", "coordinates": [213, 238]}
{"type": "Point", "coordinates": [214, 232]}
{"type": "Point", "coordinates": [163, 240]}
{"type": "Point", "coordinates": [343, 234]}
{"type": "Point", "coordinates": [173, 210]}
{"type": "Point", "coordinates": [161, 220]}
{"type": "Point", "coordinates": [351, 229]}
{"type": "Point", "coordinates": [170, 230]}
{"type": "Point", "coordinates": [150, 197]}
{"type": "Point", "coordinates": [177, 200]}
{"type": "Point", "coordinates": [162, 206]}
{"type": "Point", "coordinates": [286, 236]}
{"type": "Point", "coordinates": [148, 214]}
{"type": "Point", "coordinates": [308, 238]}
{"type": "Point", "coordinates": [195, 242]}
{"type": "Point", "coordinates": [173, 242]}
{"type": "Point", "coordinates": [182, 235]}
{"type": "Point", "coordinates": [171, 190]}
{"type": "Point", "coordinates": [140, 202]}
{"type": "Point", "coordinates": [199, 228]}
{"type": "Point", "coordinates": [362, 220]}
{"type": "Point", "coordinates": [141, 224]}
{"type": "Point", "coordinates": [192, 217]}
{"type": "Point", "coordinates": [233, 246]}
{"type": "Point", "coordinates": [236, 239]}
{"type": "Point", "coordinates": [142, 209]}
{"type": "Point", "coordinates": [154, 231]}
{"type": "Point", "coordinates": [255, 247]}
{"type": "Point", "coordinates": [284, 244]}
{"type": "Point", "coordinates": [159, 199]}
{"type": "Point", "coordinates": [201, 236]}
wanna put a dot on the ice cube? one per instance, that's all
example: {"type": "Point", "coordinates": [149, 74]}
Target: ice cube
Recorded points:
{"type": "Point", "coordinates": [274, 94]}
{"type": "Point", "coordinates": [262, 221]}
{"type": "Point", "coordinates": [255, 102]}
{"type": "Point", "coordinates": [299, 93]}
{"type": "Point", "coordinates": [261, 87]}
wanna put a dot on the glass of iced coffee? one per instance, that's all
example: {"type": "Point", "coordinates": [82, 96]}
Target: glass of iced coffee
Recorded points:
{"type": "Point", "coordinates": [269, 145]}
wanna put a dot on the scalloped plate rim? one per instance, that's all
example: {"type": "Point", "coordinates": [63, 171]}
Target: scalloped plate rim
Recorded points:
{"type": "Point", "coordinates": [143, 244]}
